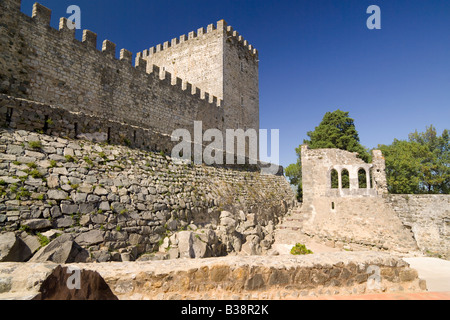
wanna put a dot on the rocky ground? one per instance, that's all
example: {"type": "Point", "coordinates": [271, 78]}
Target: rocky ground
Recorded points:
{"type": "Point", "coordinates": [238, 277]}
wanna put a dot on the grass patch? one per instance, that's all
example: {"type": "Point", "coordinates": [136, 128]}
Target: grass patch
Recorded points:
{"type": "Point", "coordinates": [35, 144]}
{"type": "Point", "coordinates": [69, 158]}
{"type": "Point", "coordinates": [300, 249]}
{"type": "Point", "coordinates": [35, 174]}
{"type": "Point", "coordinates": [43, 240]}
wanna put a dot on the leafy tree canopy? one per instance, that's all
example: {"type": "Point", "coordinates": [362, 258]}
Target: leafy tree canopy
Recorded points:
{"type": "Point", "coordinates": [419, 165]}
{"type": "Point", "coordinates": [337, 130]}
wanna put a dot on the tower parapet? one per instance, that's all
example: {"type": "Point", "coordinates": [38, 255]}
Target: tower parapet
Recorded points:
{"type": "Point", "coordinates": [221, 25]}
{"type": "Point", "coordinates": [221, 63]}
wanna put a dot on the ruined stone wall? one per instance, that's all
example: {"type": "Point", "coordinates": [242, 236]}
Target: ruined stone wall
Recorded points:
{"type": "Point", "coordinates": [121, 203]}
{"type": "Point", "coordinates": [317, 165]}
{"type": "Point", "coordinates": [354, 216]}
{"type": "Point", "coordinates": [428, 217]}
{"type": "Point", "coordinates": [50, 66]}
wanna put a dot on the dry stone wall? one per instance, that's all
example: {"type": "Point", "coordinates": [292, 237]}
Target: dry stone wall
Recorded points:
{"type": "Point", "coordinates": [121, 203]}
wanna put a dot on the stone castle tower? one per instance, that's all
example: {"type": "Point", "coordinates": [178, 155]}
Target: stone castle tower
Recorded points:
{"type": "Point", "coordinates": [218, 61]}
{"type": "Point", "coordinates": [210, 75]}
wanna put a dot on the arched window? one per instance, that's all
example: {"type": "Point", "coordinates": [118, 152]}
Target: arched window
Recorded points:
{"type": "Point", "coordinates": [334, 179]}
{"type": "Point", "coordinates": [345, 179]}
{"type": "Point", "coordinates": [371, 178]}
{"type": "Point", "coordinates": [362, 178]}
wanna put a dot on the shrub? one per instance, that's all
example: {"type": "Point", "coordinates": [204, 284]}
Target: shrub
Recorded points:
{"type": "Point", "coordinates": [23, 193]}
{"type": "Point", "coordinates": [88, 161]}
{"type": "Point", "coordinates": [300, 249]}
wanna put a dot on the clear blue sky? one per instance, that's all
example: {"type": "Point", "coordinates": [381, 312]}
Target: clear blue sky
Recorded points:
{"type": "Point", "coordinates": [315, 56]}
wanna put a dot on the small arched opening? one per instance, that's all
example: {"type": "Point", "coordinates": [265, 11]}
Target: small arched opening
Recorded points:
{"type": "Point", "coordinates": [362, 178]}
{"type": "Point", "coordinates": [334, 179]}
{"type": "Point", "coordinates": [345, 176]}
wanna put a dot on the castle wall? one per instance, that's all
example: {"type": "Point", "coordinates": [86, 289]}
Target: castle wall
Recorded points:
{"type": "Point", "coordinates": [50, 66]}
{"type": "Point", "coordinates": [21, 114]}
{"type": "Point", "coordinates": [241, 82]}
{"type": "Point", "coordinates": [196, 58]}
{"type": "Point", "coordinates": [217, 60]}
{"type": "Point", "coordinates": [428, 217]}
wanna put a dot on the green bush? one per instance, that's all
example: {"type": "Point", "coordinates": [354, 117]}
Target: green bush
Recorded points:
{"type": "Point", "coordinates": [300, 249]}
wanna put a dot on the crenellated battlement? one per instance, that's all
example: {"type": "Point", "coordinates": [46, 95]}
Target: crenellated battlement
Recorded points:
{"type": "Point", "coordinates": [220, 26]}
{"type": "Point", "coordinates": [42, 15]}
{"type": "Point", "coordinates": [51, 67]}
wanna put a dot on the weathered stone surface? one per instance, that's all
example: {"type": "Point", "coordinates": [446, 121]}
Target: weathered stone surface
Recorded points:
{"type": "Point", "coordinates": [428, 216]}
{"type": "Point", "coordinates": [93, 286]}
{"type": "Point", "coordinates": [63, 222]}
{"type": "Point", "coordinates": [90, 238]}
{"type": "Point", "coordinates": [57, 195]}
{"type": "Point", "coordinates": [61, 250]}
{"type": "Point", "coordinates": [13, 249]}
{"type": "Point", "coordinates": [32, 242]}
{"type": "Point", "coordinates": [37, 224]}
{"type": "Point", "coordinates": [242, 277]}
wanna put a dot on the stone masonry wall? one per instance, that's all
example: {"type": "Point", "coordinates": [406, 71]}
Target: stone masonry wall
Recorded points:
{"type": "Point", "coordinates": [231, 278]}
{"type": "Point", "coordinates": [120, 203]}
{"type": "Point", "coordinates": [219, 61]}
{"type": "Point", "coordinates": [32, 116]}
{"type": "Point", "coordinates": [50, 66]}
{"type": "Point", "coordinates": [356, 216]}
{"type": "Point", "coordinates": [428, 217]}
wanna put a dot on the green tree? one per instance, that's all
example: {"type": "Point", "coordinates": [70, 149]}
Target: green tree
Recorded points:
{"type": "Point", "coordinates": [402, 166]}
{"type": "Point", "coordinates": [294, 173]}
{"type": "Point", "coordinates": [336, 131]}
{"type": "Point", "coordinates": [419, 165]}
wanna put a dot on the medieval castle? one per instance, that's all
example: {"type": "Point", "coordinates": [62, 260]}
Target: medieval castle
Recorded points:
{"type": "Point", "coordinates": [210, 76]}
{"type": "Point", "coordinates": [78, 183]}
